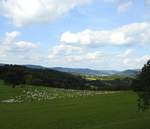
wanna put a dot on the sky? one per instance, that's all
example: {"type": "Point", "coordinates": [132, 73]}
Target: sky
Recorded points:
{"type": "Point", "coordinates": [96, 34]}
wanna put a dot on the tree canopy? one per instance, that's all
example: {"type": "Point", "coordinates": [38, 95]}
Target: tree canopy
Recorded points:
{"type": "Point", "coordinates": [16, 75]}
{"type": "Point", "coordinates": [141, 85]}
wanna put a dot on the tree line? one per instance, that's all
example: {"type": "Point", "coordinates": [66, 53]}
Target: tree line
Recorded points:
{"type": "Point", "coordinates": [16, 75]}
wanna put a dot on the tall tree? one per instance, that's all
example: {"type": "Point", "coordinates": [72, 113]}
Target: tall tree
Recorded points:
{"type": "Point", "coordinates": [141, 85]}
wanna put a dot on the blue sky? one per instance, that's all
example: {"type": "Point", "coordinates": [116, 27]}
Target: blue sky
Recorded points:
{"type": "Point", "coordinates": [97, 34]}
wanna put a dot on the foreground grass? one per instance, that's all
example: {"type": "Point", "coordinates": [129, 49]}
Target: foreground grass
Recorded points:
{"type": "Point", "coordinates": [104, 111]}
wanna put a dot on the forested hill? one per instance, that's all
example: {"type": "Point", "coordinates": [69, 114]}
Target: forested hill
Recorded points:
{"type": "Point", "coordinates": [41, 76]}
{"type": "Point", "coordinates": [88, 72]}
{"type": "Point", "coordinates": [91, 72]}
{"type": "Point", "coordinates": [45, 77]}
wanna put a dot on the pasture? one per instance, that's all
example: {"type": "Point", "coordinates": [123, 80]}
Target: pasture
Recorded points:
{"type": "Point", "coordinates": [49, 108]}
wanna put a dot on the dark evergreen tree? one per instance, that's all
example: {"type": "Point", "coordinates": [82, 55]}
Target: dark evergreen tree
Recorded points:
{"type": "Point", "coordinates": [141, 85]}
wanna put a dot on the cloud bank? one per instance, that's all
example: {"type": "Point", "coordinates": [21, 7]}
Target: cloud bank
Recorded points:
{"type": "Point", "coordinates": [10, 47]}
{"type": "Point", "coordinates": [86, 46]}
{"type": "Point", "coordinates": [24, 12]}
{"type": "Point", "coordinates": [125, 35]}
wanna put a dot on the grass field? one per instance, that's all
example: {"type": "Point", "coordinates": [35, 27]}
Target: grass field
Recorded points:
{"type": "Point", "coordinates": [68, 109]}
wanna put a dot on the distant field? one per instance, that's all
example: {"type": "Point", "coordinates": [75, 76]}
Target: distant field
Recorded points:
{"type": "Point", "coordinates": [111, 77]}
{"type": "Point", "coordinates": [69, 109]}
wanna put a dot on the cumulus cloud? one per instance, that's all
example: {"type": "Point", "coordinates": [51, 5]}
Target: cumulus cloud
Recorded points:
{"type": "Point", "coordinates": [126, 57]}
{"type": "Point", "coordinates": [25, 45]}
{"type": "Point", "coordinates": [6, 44]}
{"type": "Point", "coordinates": [143, 59]}
{"type": "Point", "coordinates": [64, 50]}
{"type": "Point", "coordinates": [73, 53]}
{"type": "Point", "coordinates": [83, 57]}
{"type": "Point", "coordinates": [23, 12]}
{"type": "Point", "coordinates": [86, 56]}
{"type": "Point", "coordinates": [130, 58]}
{"type": "Point", "coordinates": [128, 53]}
{"type": "Point", "coordinates": [136, 62]}
{"type": "Point", "coordinates": [85, 46]}
{"type": "Point", "coordinates": [10, 45]}
{"type": "Point", "coordinates": [125, 35]}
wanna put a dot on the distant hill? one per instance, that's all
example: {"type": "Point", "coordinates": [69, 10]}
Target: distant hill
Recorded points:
{"type": "Point", "coordinates": [34, 66]}
{"type": "Point", "coordinates": [2, 64]}
{"type": "Point", "coordinates": [129, 73]}
{"type": "Point", "coordinates": [89, 72]}
{"type": "Point", "coordinates": [86, 71]}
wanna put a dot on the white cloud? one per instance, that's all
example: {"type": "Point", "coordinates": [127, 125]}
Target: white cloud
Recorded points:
{"type": "Point", "coordinates": [131, 59]}
{"type": "Point", "coordinates": [23, 12]}
{"type": "Point", "coordinates": [127, 53]}
{"type": "Point", "coordinates": [125, 35]}
{"type": "Point", "coordinates": [85, 47]}
{"type": "Point", "coordinates": [123, 7]}
{"type": "Point", "coordinates": [127, 57]}
{"type": "Point", "coordinates": [136, 62]}
{"type": "Point", "coordinates": [25, 45]}
{"type": "Point", "coordinates": [143, 59]}
{"type": "Point", "coordinates": [5, 45]}
{"type": "Point", "coordinates": [86, 56]}
{"type": "Point", "coordinates": [64, 50]}
{"type": "Point", "coordinates": [10, 45]}
{"type": "Point", "coordinates": [73, 53]}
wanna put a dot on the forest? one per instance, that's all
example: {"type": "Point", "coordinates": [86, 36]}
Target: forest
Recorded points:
{"type": "Point", "coordinates": [17, 74]}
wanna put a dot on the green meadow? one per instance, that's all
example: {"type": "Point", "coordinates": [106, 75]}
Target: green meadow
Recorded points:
{"type": "Point", "coordinates": [48, 108]}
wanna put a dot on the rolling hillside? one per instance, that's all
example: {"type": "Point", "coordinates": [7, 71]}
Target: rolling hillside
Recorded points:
{"type": "Point", "coordinates": [40, 76]}
{"type": "Point", "coordinates": [91, 72]}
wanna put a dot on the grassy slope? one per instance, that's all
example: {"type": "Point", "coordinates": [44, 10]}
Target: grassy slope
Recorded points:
{"type": "Point", "coordinates": [113, 111]}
